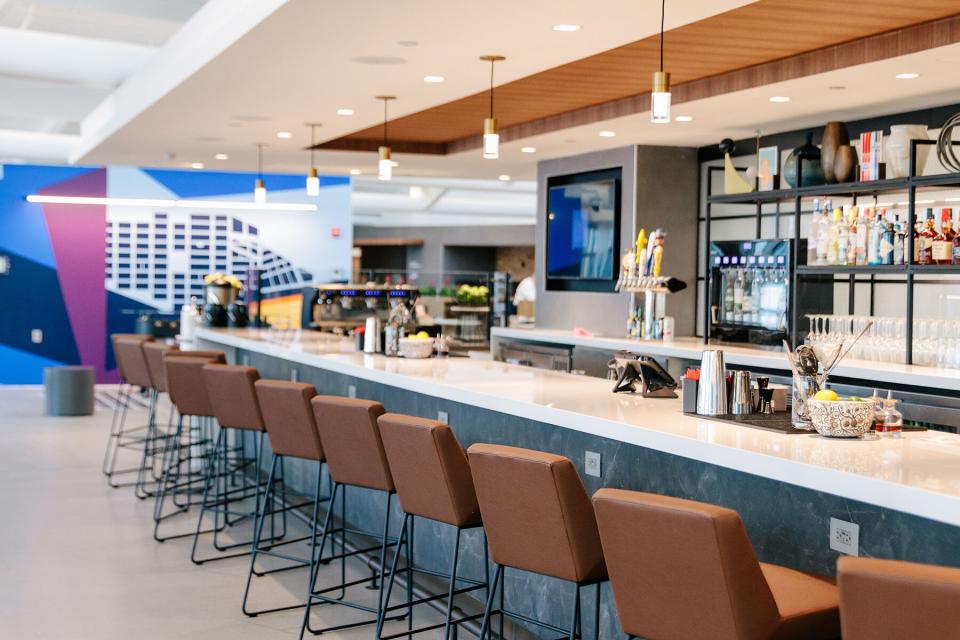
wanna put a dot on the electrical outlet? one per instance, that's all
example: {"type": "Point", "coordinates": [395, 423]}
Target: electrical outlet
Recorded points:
{"type": "Point", "coordinates": [352, 391]}
{"type": "Point", "coordinates": [294, 375]}
{"type": "Point", "coordinates": [592, 464]}
{"type": "Point", "coordinates": [845, 537]}
{"type": "Point", "coordinates": [443, 416]}
{"type": "Point", "coordinates": [36, 336]}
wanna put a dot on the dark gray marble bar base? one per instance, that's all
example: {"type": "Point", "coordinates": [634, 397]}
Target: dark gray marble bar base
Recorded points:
{"type": "Point", "coordinates": [787, 524]}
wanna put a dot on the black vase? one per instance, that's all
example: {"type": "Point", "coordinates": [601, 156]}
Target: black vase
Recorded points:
{"type": "Point", "coordinates": [812, 171]}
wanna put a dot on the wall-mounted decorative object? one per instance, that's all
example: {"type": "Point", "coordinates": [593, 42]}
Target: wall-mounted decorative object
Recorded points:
{"type": "Point", "coordinates": [871, 156]}
{"type": "Point", "coordinates": [834, 135]}
{"type": "Point", "coordinates": [945, 149]}
{"type": "Point", "coordinates": [732, 181]}
{"type": "Point", "coordinates": [845, 163]}
{"type": "Point", "coordinates": [896, 149]}
{"type": "Point", "coordinates": [768, 163]}
{"type": "Point", "coordinates": [812, 171]}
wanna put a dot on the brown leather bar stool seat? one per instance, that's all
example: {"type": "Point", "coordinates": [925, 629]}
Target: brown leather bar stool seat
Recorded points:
{"type": "Point", "coordinates": [686, 570]}
{"type": "Point", "coordinates": [538, 518]}
{"type": "Point", "coordinates": [149, 474]}
{"type": "Point", "coordinates": [233, 397]}
{"type": "Point", "coordinates": [431, 474]}
{"type": "Point", "coordinates": [292, 433]}
{"type": "Point", "coordinates": [891, 600]}
{"type": "Point", "coordinates": [355, 458]}
{"type": "Point", "coordinates": [189, 449]}
{"type": "Point", "coordinates": [133, 373]}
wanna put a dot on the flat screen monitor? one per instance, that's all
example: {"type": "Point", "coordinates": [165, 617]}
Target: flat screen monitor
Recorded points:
{"type": "Point", "coordinates": [583, 231]}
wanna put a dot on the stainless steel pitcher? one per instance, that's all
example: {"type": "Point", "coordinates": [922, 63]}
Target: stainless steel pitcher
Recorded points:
{"type": "Point", "coordinates": [712, 389]}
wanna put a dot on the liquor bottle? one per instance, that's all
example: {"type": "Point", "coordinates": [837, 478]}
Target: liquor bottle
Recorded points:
{"type": "Point", "coordinates": [888, 241]}
{"type": "Point", "coordinates": [925, 237]}
{"type": "Point", "coordinates": [833, 241]}
{"type": "Point", "coordinates": [875, 229]}
{"type": "Point", "coordinates": [891, 424]}
{"type": "Point", "coordinates": [956, 242]}
{"type": "Point", "coordinates": [852, 217]}
{"type": "Point", "coordinates": [738, 296]}
{"type": "Point", "coordinates": [823, 235]}
{"type": "Point", "coordinates": [729, 274]}
{"type": "Point", "coordinates": [864, 226]}
{"type": "Point", "coordinates": [746, 302]}
{"type": "Point", "coordinates": [843, 240]}
{"type": "Point", "coordinates": [759, 282]}
{"type": "Point", "coordinates": [814, 234]}
{"type": "Point", "coordinates": [942, 250]}
{"type": "Point", "coordinates": [898, 241]}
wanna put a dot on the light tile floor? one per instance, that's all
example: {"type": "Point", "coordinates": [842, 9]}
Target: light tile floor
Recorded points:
{"type": "Point", "coordinates": [77, 558]}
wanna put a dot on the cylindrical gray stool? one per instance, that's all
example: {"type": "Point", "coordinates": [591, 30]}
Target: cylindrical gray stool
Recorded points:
{"type": "Point", "coordinates": [69, 390]}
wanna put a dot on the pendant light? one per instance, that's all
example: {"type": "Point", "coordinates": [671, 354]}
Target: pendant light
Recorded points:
{"type": "Point", "coordinates": [259, 191]}
{"type": "Point", "coordinates": [491, 138]}
{"type": "Point", "coordinates": [660, 98]}
{"type": "Point", "coordinates": [385, 165]}
{"type": "Point", "coordinates": [313, 181]}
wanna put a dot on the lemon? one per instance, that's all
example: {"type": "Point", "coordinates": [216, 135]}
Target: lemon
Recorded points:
{"type": "Point", "coordinates": [423, 335]}
{"type": "Point", "coordinates": [828, 395]}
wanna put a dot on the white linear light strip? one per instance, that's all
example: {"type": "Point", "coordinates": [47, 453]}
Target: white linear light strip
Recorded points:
{"type": "Point", "coordinates": [181, 204]}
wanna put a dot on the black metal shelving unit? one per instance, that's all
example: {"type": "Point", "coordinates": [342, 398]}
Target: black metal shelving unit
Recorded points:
{"type": "Point", "coordinates": [853, 190]}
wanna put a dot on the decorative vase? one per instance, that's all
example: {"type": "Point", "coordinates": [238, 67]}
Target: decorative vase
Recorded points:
{"type": "Point", "coordinates": [844, 163]}
{"type": "Point", "coordinates": [835, 135]}
{"type": "Point", "coordinates": [809, 154]}
{"type": "Point", "coordinates": [896, 149]}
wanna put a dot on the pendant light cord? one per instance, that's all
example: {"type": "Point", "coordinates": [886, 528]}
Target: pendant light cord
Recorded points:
{"type": "Point", "coordinates": [385, 122]}
{"type": "Point", "coordinates": [491, 87]}
{"type": "Point", "coordinates": [313, 142]}
{"type": "Point", "coordinates": [259, 162]}
{"type": "Point", "coordinates": [663, 10]}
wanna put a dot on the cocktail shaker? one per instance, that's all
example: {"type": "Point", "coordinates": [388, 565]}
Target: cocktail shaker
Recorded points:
{"type": "Point", "coordinates": [712, 389]}
{"type": "Point", "coordinates": [371, 336]}
{"type": "Point", "coordinates": [741, 401]}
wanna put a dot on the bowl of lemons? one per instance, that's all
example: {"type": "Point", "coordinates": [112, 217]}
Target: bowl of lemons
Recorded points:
{"type": "Point", "coordinates": [836, 417]}
{"type": "Point", "coordinates": [419, 345]}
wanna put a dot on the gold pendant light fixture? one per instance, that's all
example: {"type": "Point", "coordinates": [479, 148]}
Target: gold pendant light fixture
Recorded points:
{"type": "Point", "coordinates": [313, 181]}
{"type": "Point", "coordinates": [385, 164]}
{"type": "Point", "coordinates": [491, 137]}
{"type": "Point", "coordinates": [259, 190]}
{"type": "Point", "coordinates": [660, 98]}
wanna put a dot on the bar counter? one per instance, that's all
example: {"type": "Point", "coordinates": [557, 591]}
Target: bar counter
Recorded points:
{"type": "Point", "coordinates": [903, 493]}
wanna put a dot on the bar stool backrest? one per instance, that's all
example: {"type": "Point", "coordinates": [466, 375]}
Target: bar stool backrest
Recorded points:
{"type": "Point", "coordinates": [288, 418]}
{"type": "Point", "coordinates": [891, 599]}
{"type": "Point", "coordinates": [185, 383]}
{"type": "Point", "coordinates": [233, 395]}
{"type": "Point", "coordinates": [429, 469]}
{"type": "Point", "coordinates": [351, 440]}
{"type": "Point", "coordinates": [536, 512]}
{"type": "Point", "coordinates": [154, 353]}
{"type": "Point", "coordinates": [682, 569]}
{"type": "Point", "coordinates": [130, 360]}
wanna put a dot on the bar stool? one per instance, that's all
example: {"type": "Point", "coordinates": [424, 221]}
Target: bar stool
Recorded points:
{"type": "Point", "coordinates": [133, 373]}
{"type": "Point", "coordinates": [153, 354]}
{"type": "Point", "coordinates": [233, 398]}
{"type": "Point", "coordinates": [292, 433]}
{"type": "Point", "coordinates": [686, 570]}
{"type": "Point", "coordinates": [188, 450]}
{"type": "Point", "coordinates": [539, 519]}
{"type": "Point", "coordinates": [432, 478]}
{"type": "Point", "coordinates": [890, 600]}
{"type": "Point", "coordinates": [355, 458]}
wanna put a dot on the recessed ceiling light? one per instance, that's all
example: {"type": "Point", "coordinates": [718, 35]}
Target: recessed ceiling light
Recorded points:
{"type": "Point", "coordinates": [836, 87]}
{"type": "Point", "coordinates": [504, 178]}
{"type": "Point", "coordinates": [528, 149]}
{"type": "Point", "coordinates": [566, 27]}
{"type": "Point", "coordinates": [433, 78]}
{"type": "Point", "coordinates": [907, 76]}
{"type": "Point", "coordinates": [407, 43]}
{"type": "Point", "coordinates": [344, 112]}
{"type": "Point", "coordinates": [355, 172]}
{"type": "Point", "coordinates": [683, 118]}
{"type": "Point", "coordinates": [196, 165]}
{"type": "Point", "coordinates": [284, 135]}
{"type": "Point", "coordinates": [608, 134]}
{"type": "Point", "coordinates": [780, 99]}
{"type": "Point", "coordinates": [222, 156]}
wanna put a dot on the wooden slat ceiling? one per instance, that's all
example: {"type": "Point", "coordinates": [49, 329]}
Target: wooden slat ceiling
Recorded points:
{"type": "Point", "coordinates": [752, 35]}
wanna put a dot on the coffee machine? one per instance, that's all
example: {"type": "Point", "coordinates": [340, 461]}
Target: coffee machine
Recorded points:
{"type": "Point", "coordinates": [221, 304]}
{"type": "Point", "coordinates": [330, 307]}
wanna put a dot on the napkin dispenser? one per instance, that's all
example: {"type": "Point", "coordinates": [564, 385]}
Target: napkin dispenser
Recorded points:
{"type": "Point", "coordinates": [643, 374]}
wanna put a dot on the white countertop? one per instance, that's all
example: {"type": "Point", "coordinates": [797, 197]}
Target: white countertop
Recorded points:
{"type": "Point", "coordinates": [918, 474]}
{"type": "Point", "coordinates": [692, 348]}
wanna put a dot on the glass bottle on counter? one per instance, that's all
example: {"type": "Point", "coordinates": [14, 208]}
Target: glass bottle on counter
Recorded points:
{"type": "Point", "coordinates": [942, 251]}
{"type": "Point", "coordinates": [890, 424]}
{"type": "Point", "coordinates": [924, 242]}
{"type": "Point", "coordinates": [888, 242]}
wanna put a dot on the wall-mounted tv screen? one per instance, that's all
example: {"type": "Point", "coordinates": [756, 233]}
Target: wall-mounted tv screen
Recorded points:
{"type": "Point", "coordinates": [583, 231]}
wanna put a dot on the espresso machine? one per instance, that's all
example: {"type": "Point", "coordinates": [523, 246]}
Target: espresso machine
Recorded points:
{"type": "Point", "coordinates": [343, 307]}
